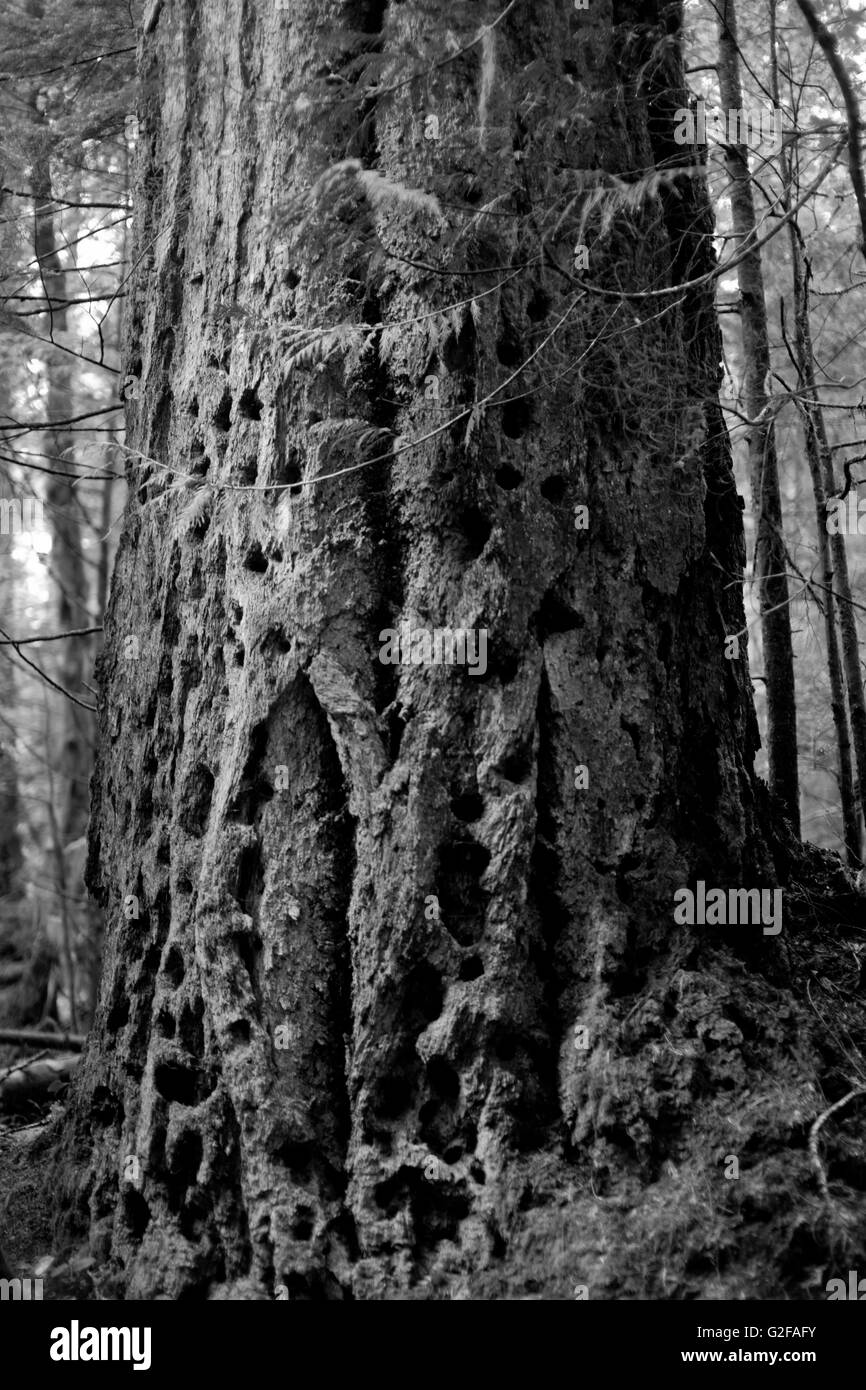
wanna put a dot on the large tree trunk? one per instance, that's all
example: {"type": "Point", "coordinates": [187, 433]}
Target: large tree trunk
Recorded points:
{"type": "Point", "coordinates": [364, 918]}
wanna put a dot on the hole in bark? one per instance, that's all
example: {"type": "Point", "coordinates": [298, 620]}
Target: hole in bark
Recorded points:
{"type": "Point", "coordinates": [281, 641]}
{"type": "Point", "coordinates": [315, 1287]}
{"type": "Point", "coordinates": [223, 412]}
{"type": "Point", "coordinates": [633, 732]}
{"type": "Point", "coordinates": [255, 559]}
{"type": "Point", "coordinates": [394, 1097]}
{"type": "Point", "coordinates": [303, 1227]}
{"type": "Point", "coordinates": [509, 350]}
{"type": "Point", "coordinates": [288, 469]}
{"type": "Point", "coordinates": [396, 728]}
{"type": "Point", "coordinates": [390, 1195]}
{"type": "Point", "coordinates": [249, 405]}
{"type": "Point", "coordinates": [424, 997]}
{"type": "Point", "coordinates": [195, 805]}
{"type": "Point", "coordinates": [508, 477]}
{"type": "Point", "coordinates": [296, 1154]}
{"type": "Point", "coordinates": [248, 948]}
{"type": "Point", "coordinates": [516, 767]}
{"type": "Point", "coordinates": [149, 967]}
{"type": "Point", "coordinates": [185, 1158]}
{"type": "Point", "coordinates": [196, 1292]}
{"type": "Point", "coordinates": [193, 407]}
{"type": "Point", "coordinates": [539, 306]}
{"type": "Point", "coordinates": [555, 615]}
{"type": "Point", "coordinates": [366, 15]}
{"type": "Point", "coordinates": [443, 1079]}
{"type": "Point", "coordinates": [194, 1216]}
{"type": "Point", "coordinates": [239, 1030]}
{"type": "Point", "coordinates": [104, 1106]}
{"type": "Point", "coordinates": [476, 528]}
{"type": "Point", "coordinates": [664, 645]}
{"type": "Point", "coordinates": [249, 880]}
{"type": "Point", "coordinates": [175, 1082]}
{"type": "Point", "coordinates": [462, 900]}
{"type": "Point", "coordinates": [156, 1148]}
{"type": "Point", "coordinates": [553, 488]}
{"type": "Point", "coordinates": [118, 1015]}
{"type": "Point", "coordinates": [516, 417]}
{"type": "Point", "coordinates": [190, 1028]}
{"type": "Point", "coordinates": [184, 885]}
{"type": "Point", "coordinates": [436, 1210]}
{"type": "Point", "coordinates": [624, 889]}
{"type": "Point", "coordinates": [255, 789]}
{"type": "Point", "coordinates": [276, 554]}
{"type": "Point", "coordinates": [174, 968]}
{"type": "Point", "coordinates": [476, 1171]}
{"type": "Point", "coordinates": [165, 1024]}
{"type": "Point", "coordinates": [136, 1213]}
{"type": "Point", "coordinates": [467, 807]}
{"type": "Point", "coordinates": [457, 351]}
{"type": "Point", "coordinates": [471, 968]}
{"type": "Point", "coordinates": [240, 654]}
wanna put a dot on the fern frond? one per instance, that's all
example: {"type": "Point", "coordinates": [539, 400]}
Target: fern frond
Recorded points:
{"type": "Point", "coordinates": [375, 187]}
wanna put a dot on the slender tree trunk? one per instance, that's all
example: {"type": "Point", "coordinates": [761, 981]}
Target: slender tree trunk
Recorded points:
{"type": "Point", "coordinates": [394, 1002]}
{"type": "Point", "coordinates": [63, 510]}
{"type": "Point", "coordinates": [771, 560]}
{"type": "Point", "coordinates": [10, 806]}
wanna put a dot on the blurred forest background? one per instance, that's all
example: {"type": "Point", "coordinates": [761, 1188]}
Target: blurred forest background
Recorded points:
{"type": "Point", "coordinates": [67, 156]}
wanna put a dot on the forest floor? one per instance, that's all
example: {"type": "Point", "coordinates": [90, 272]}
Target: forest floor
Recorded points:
{"type": "Point", "coordinates": [26, 1119]}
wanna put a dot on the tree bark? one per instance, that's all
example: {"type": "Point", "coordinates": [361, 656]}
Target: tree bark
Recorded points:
{"type": "Point", "coordinates": [360, 915]}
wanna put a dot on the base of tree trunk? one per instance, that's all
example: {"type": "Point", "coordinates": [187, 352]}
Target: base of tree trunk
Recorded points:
{"type": "Point", "coordinates": [686, 1173]}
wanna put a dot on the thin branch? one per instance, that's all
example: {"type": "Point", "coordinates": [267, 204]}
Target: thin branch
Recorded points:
{"type": "Point", "coordinates": [49, 637]}
{"type": "Point", "coordinates": [47, 679]}
{"type": "Point", "coordinates": [15, 193]}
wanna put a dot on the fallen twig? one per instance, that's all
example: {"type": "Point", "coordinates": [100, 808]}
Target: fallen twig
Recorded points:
{"type": "Point", "coordinates": [30, 1037]}
{"type": "Point", "coordinates": [813, 1139]}
{"type": "Point", "coordinates": [37, 1081]}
